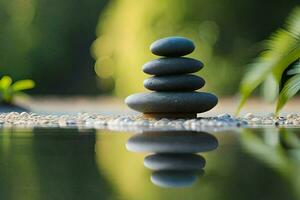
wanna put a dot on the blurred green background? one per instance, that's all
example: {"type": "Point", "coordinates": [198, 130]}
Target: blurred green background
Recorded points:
{"type": "Point", "coordinates": [94, 47]}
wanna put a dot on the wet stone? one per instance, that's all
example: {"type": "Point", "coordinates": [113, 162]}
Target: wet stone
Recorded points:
{"type": "Point", "coordinates": [172, 102]}
{"type": "Point", "coordinates": [172, 46]}
{"type": "Point", "coordinates": [167, 66]}
{"type": "Point", "coordinates": [186, 82]}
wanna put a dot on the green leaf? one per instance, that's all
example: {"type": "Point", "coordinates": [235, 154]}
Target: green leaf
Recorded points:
{"type": "Point", "coordinates": [23, 85]}
{"type": "Point", "coordinates": [293, 24]}
{"type": "Point", "coordinates": [286, 75]}
{"type": "Point", "coordinates": [5, 82]}
{"type": "Point", "coordinates": [281, 50]}
{"type": "Point", "coordinates": [273, 61]}
{"type": "Point", "coordinates": [270, 89]}
{"type": "Point", "coordinates": [291, 87]}
{"type": "Point", "coordinates": [5, 89]}
{"type": "Point", "coordinates": [295, 69]}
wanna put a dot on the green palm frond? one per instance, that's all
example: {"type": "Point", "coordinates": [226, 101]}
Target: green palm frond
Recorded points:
{"type": "Point", "coordinates": [281, 50]}
{"type": "Point", "coordinates": [295, 69]}
{"type": "Point", "coordinates": [291, 87]}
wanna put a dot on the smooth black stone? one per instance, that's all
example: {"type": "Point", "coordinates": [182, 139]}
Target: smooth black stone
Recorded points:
{"type": "Point", "coordinates": [172, 102]}
{"type": "Point", "coordinates": [168, 66]}
{"type": "Point", "coordinates": [174, 162]}
{"type": "Point", "coordinates": [174, 142]}
{"type": "Point", "coordinates": [172, 47]}
{"type": "Point", "coordinates": [173, 179]}
{"type": "Point", "coordinates": [186, 82]}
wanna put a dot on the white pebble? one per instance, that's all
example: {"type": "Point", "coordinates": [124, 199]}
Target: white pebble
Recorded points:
{"type": "Point", "coordinates": [249, 116]}
{"type": "Point", "coordinates": [224, 116]}
{"type": "Point", "coordinates": [256, 120]}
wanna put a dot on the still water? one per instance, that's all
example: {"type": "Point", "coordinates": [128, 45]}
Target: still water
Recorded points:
{"type": "Point", "coordinates": [71, 164]}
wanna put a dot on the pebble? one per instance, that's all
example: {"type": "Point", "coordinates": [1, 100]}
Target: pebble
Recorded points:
{"type": "Point", "coordinates": [176, 124]}
{"type": "Point", "coordinates": [143, 123]}
{"type": "Point", "coordinates": [172, 46]}
{"type": "Point", "coordinates": [71, 122]}
{"type": "Point", "coordinates": [256, 120]}
{"type": "Point", "coordinates": [249, 116]}
{"type": "Point", "coordinates": [292, 116]}
{"type": "Point", "coordinates": [224, 116]}
{"type": "Point", "coordinates": [295, 122]}
{"type": "Point", "coordinates": [268, 122]}
{"type": "Point", "coordinates": [24, 115]}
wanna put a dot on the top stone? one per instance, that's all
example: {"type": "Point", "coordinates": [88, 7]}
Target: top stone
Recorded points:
{"type": "Point", "coordinates": [172, 47]}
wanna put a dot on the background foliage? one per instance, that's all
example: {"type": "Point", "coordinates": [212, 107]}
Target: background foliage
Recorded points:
{"type": "Point", "coordinates": [49, 41]}
{"type": "Point", "coordinates": [225, 32]}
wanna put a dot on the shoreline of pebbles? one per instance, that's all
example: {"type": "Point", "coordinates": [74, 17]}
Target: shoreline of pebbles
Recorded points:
{"type": "Point", "coordinates": [137, 122]}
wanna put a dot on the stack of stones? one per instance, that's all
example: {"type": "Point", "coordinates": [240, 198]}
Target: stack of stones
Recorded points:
{"type": "Point", "coordinates": [173, 84]}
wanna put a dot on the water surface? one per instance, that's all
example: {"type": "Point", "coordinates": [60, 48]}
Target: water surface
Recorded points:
{"type": "Point", "coordinates": [42, 164]}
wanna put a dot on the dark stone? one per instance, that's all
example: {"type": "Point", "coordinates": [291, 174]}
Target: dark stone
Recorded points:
{"type": "Point", "coordinates": [172, 102]}
{"type": "Point", "coordinates": [172, 47]}
{"type": "Point", "coordinates": [173, 179]}
{"type": "Point", "coordinates": [186, 82]}
{"type": "Point", "coordinates": [168, 66]}
{"type": "Point", "coordinates": [172, 142]}
{"type": "Point", "coordinates": [174, 162]}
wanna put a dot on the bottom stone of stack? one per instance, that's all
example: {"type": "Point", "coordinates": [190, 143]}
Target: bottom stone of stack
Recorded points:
{"type": "Point", "coordinates": [169, 103]}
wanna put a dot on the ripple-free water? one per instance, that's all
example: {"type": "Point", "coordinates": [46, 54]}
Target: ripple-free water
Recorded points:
{"type": "Point", "coordinates": [71, 164]}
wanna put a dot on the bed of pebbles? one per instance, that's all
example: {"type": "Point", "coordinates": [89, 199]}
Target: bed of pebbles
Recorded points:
{"type": "Point", "coordinates": [85, 120]}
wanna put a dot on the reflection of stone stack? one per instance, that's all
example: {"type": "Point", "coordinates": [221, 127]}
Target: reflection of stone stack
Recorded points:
{"type": "Point", "coordinates": [174, 87]}
{"type": "Point", "coordinates": [174, 162]}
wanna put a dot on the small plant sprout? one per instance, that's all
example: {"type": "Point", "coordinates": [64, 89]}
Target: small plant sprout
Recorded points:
{"type": "Point", "coordinates": [8, 89]}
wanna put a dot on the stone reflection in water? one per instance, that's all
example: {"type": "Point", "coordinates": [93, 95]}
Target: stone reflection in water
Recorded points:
{"type": "Point", "coordinates": [162, 161]}
{"type": "Point", "coordinates": [174, 159]}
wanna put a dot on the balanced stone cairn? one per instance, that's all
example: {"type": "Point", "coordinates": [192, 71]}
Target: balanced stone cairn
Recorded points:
{"type": "Point", "coordinates": [174, 87]}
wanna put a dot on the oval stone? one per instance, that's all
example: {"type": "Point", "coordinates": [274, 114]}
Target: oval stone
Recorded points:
{"type": "Point", "coordinates": [173, 179]}
{"type": "Point", "coordinates": [172, 47]}
{"type": "Point", "coordinates": [186, 82]}
{"type": "Point", "coordinates": [168, 66]}
{"type": "Point", "coordinates": [174, 162]}
{"type": "Point", "coordinates": [172, 102]}
{"type": "Point", "coordinates": [174, 142]}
